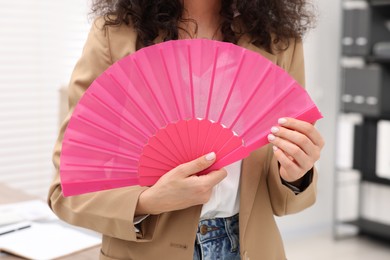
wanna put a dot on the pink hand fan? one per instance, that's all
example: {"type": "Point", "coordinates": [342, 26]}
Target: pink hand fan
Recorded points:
{"type": "Point", "coordinates": [170, 103]}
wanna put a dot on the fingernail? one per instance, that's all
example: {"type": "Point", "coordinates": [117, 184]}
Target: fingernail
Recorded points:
{"type": "Point", "coordinates": [275, 148]}
{"type": "Point", "coordinates": [210, 156]}
{"type": "Point", "coordinates": [271, 137]}
{"type": "Point", "coordinates": [282, 121]}
{"type": "Point", "coordinates": [274, 129]}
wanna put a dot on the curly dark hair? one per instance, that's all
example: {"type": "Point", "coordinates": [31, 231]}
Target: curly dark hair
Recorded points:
{"type": "Point", "coordinates": [267, 22]}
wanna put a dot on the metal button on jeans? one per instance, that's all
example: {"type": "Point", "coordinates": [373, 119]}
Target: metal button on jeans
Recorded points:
{"type": "Point", "coordinates": [203, 229]}
{"type": "Point", "coordinates": [218, 238]}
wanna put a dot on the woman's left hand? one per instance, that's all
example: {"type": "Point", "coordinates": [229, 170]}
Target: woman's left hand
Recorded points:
{"type": "Point", "coordinates": [297, 146]}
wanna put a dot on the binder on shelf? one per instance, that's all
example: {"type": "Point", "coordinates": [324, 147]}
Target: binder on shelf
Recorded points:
{"type": "Point", "coordinates": [364, 157]}
{"type": "Point", "coordinates": [383, 149]}
{"type": "Point", "coordinates": [366, 90]}
{"type": "Point", "coordinates": [358, 153]}
{"type": "Point", "coordinates": [348, 199]}
{"type": "Point", "coordinates": [375, 203]}
{"type": "Point", "coordinates": [348, 38]}
{"type": "Point", "coordinates": [382, 50]}
{"type": "Point", "coordinates": [356, 28]}
{"type": "Point", "coordinates": [345, 140]}
{"type": "Point", "coordinates": [362, 32]}
{"type": "Point", "coordinates": [364, 26]}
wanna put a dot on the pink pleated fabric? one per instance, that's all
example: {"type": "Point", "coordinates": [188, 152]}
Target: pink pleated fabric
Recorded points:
{"type": "Point", "coordinates": [170, 103]}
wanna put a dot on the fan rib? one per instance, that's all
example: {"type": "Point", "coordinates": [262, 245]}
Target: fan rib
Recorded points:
{"type": "Point", "coordinates": [232, 86]}
{"type": "Point", "coordinates": [189, 142]}
{"type": "Point", "coordinates": [170, 83]}
{"type": "Point", "coordinates": [214, 140]}
{"type": "Point", "coordinates": [120, 116]}
{"type": "Point", "coordinates": [169, 166]}
{"type": "Point", "coordinates": [182, 148]}
{"type": "Point", "coordinates": [91, 123]}
{"type": "Point", "coordinates": [102, 149]}
{"type": "Point", "coordinates": [191, 81]}
{"type": "Point", "coordinates": [134, 102]}
{"type": "Point", "coordinates": [166, 150]}
{"type": "Point", "coordinates": [151, 92]}
{"type": "Point", "coordinates": [212, 82]}
{"type": "Point", "coordinates": [251, 96]}
{"type": "Point", "coordinates": [225, 144]}
{"type": "Point", "coordinates": [205, 139]}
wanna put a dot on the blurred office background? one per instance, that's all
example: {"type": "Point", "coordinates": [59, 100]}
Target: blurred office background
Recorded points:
{"type": "Point", "coordinates": [40, 42]}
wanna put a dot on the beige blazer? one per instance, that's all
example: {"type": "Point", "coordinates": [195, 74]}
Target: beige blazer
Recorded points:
{"type": "Point", "coordinates": [171, 235]}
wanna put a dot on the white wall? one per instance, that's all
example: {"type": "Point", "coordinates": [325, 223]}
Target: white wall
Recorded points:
{"type": "Point", "coordinates": [322, 73]}
{"type": "Point", "coordinates": [40, 41]}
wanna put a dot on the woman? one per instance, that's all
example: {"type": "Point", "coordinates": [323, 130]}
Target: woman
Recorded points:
{"type": "Point", "coordinates": [229, 213]}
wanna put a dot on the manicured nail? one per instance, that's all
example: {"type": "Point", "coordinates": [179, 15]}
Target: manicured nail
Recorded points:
{"type": "Point", "coordinates": [271, 137]}
{"type": "Point", "coordinates": [275, 148]}
{"type": "Point", "coordinates": [210, 156]}
{"type": "Point", "coordinates": [282, 121]}
{"type": "Point", "coordinates": [274, 129]}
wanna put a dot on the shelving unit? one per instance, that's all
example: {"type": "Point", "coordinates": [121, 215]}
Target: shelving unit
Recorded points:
{"type": "Point", "coordinates": [365, 93]}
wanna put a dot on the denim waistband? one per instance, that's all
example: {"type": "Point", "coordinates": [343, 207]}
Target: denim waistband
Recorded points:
{"type": "Point", "coordinates": [209, 229]}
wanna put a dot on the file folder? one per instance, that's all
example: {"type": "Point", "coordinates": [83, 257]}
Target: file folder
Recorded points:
{"type": "Point", "coordinates": [383, 149]}
{"type": "Point", "coordinates": [366, 90]}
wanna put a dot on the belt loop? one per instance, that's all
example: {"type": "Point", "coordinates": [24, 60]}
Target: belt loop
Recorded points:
{"type": "Point", "coordinates": [230, 232]}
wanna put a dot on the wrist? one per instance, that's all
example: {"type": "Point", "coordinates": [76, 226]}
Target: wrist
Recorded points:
{"type": "Point", "coordinates": [146, 204]}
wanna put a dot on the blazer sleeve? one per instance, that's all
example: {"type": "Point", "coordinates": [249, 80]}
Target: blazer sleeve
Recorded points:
{"type": "Point", "coordinates": [108, 212]}
{"type": "Point", "coordinates": [283, 199]}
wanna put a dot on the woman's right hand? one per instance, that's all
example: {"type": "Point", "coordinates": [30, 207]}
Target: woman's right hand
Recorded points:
{"type": "Point", "coordinates": [181, 188]}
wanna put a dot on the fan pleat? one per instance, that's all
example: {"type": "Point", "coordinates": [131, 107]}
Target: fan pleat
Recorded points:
{"type": "Point", "coordinates": [91, 185]}
{"type": "Point", "coordinates": [120, 115]}
{"type": "Point", "coordinates": [92, 168]}
{"type": "Point", "coordinates": [139, 93]}
{"type": "Point", "coordinates": [252, 95]}
{"type": "Point", "coordinates": [231, 88]}
{"type": "Point", "coordinates": [176, 109]}
{"type": "Point", "coordinates": [191, 81]}
{"type": "Point", "coordinates": [101, 148]}
{"type": "Point", "coordinates": [160, 109]}
{"type": "Point", "coordinates": [132, 102]}
{"type": "Point", "coordinates": [266, 110]}
{"type": "Point", "coordinates": [210, 93]}
{"type": "Point", "coordinates": [96, 127]}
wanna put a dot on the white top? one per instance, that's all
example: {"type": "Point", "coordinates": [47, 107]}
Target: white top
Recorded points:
{"type": "Point", "coordinates": [225, 197]}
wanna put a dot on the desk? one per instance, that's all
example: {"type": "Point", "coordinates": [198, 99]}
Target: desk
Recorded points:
{"type": "Point", "coordinates": [9, 195]}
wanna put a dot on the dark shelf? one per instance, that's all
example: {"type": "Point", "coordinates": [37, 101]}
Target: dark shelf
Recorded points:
{"type": "Point", "coordinates": [371, 227]}
{"type": "Point", "coordinates": [380, 2]}
{"type": "Point", "coordinates": [378, 59]}
{"type": "Point", "coordinates": [376, 179]}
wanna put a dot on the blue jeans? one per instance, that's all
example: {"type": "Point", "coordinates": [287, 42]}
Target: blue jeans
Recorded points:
{"type": "Point", "coordinates": [218, 239]}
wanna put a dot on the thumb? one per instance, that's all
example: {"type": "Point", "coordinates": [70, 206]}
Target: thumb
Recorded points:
{"type": "Point", "coordinates": [197, 165]}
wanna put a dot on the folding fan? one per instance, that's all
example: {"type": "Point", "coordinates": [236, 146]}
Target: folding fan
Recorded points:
{"type": "Point", "coordinates": [170, 103]}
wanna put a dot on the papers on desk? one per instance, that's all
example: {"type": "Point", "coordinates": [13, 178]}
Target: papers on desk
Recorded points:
{"type": "Point", "coordinates": [46, 241]}
{"type": "Point", "coordinates": [22, 235]}
{"type": "Point", "coordinates": [31, 210]}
